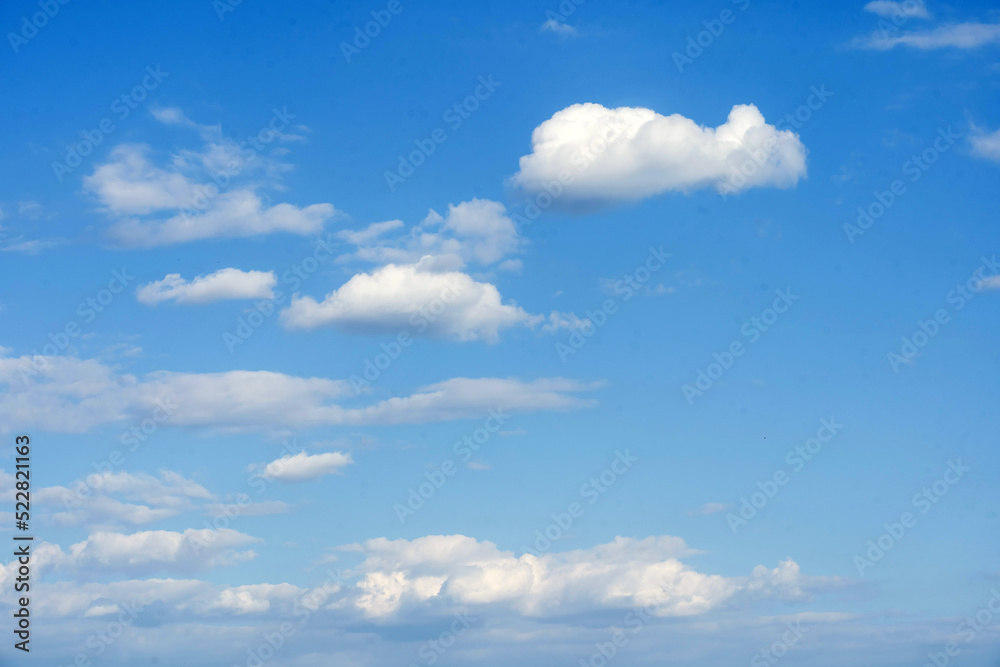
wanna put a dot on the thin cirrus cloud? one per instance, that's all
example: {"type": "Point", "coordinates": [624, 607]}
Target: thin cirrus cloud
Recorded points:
{"type": "Point", "coordinates": [419, 299]}
{"type": "Point", "coordinates": [224, 284]}
{"type": "Point", "coordinates": [588, 154]}
{"type": "Point", "coordinates": [67, 394]}
{"type": "Point", "coordinates": [970, 35]}
{"type": "Point", "coordinates": [303, 467]}
{"type": "Point", "coordinates": [893, 9]}
{"type": "Point", "coordinates": [199, 194]}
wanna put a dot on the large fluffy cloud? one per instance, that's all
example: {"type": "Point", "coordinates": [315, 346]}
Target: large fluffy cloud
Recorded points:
{"type": "Point", "coordinates": [67, 394]}
{"type": "Point", "coordinates": [218, 286]}
{"type": "Point", "coordinates": [419, 299]}
{"type": "Point", "coordinates": [590, 154]}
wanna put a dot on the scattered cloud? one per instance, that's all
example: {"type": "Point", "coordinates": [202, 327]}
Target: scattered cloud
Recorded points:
{"type": "Point", "coordinates": [304, 467]}
{"type": "Point", "coordinates": [197, 194]}
{"type": "Point", "coordinates": [221, 285]}
{"type": "Point", "coordinates": [906, 8]}
{"type": "Point", "coordinates": [67, 394]}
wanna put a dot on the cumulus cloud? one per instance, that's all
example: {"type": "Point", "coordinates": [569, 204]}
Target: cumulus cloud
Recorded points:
{"type": "Point", "coordinates": [588, 154]}
{"type": "Point", "coordinates": [409, 575]}
{"type": "Point", "coordinates": [891, 8]}
{"type": "Point", "coordinates": [197, 194]}
{"type": "Point", "coordinates": [956, 35]}
{"type": "Point", "coordinates": [398, 581]}
{"type": "Point", "coordinates": [221, 285]}
{"type": "Point", "coordinates": [66, 394]}
{"type": "Point", "coordinates": [478, 231]}
{"type": "Point", "coordinates": [302, 467]}
{"type": "Point", "coordinates": [986, 144]}
{"type": "Point", "coordinates": [420, 299]}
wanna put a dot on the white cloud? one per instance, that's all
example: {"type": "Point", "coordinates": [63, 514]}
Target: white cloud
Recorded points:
{"type": "Point", "coordinates": [985, 144]}
{"type": "Point", "coordinates": [122, 498]}
{"type": "Point", "coordinates": [558, 27]}
{"type": "Point", "coordinates": [955, 35]}
{"type": "Point", "coordinates": [182, 201]}
{"type": "Point", "coordinates": [148, 551]}
{"type": "Point", "coordinates": [625, 154]}
{"type": "Point", "coordinates": [420, 299]}
{"type": "Point", "coordinates": [409, 575]}
{"type": "Point", "coordinates": [302, 467]}
{"type": "Point", "coordinates": [906, 8]}
{"type": "Point", "coordinates": [478, 231]}
{"type": "Point", "coordinates": [66, 394]}
{"type": "Point", "coordinates": [218, 286]}
{"type": "Point", "coordinates": [709, 508]}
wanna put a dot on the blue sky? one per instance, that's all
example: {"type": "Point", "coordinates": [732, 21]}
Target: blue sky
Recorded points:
{"type": "Point", "coordinates": [267, 279]}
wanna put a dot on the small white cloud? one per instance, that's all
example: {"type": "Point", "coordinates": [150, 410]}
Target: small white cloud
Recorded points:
{"type": "Point", "coordinates": [222, 285]}
{"type": "Point", "coordinates": [709, 508]}
{"type": "Point", "coordinates": [985, 144]}
{"type": "Point", "coordinates": [558, 27]}
{"type": "Point", "coordinates": [906, 8]}
{"type": "Point", "coordinates": [302, 467]}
